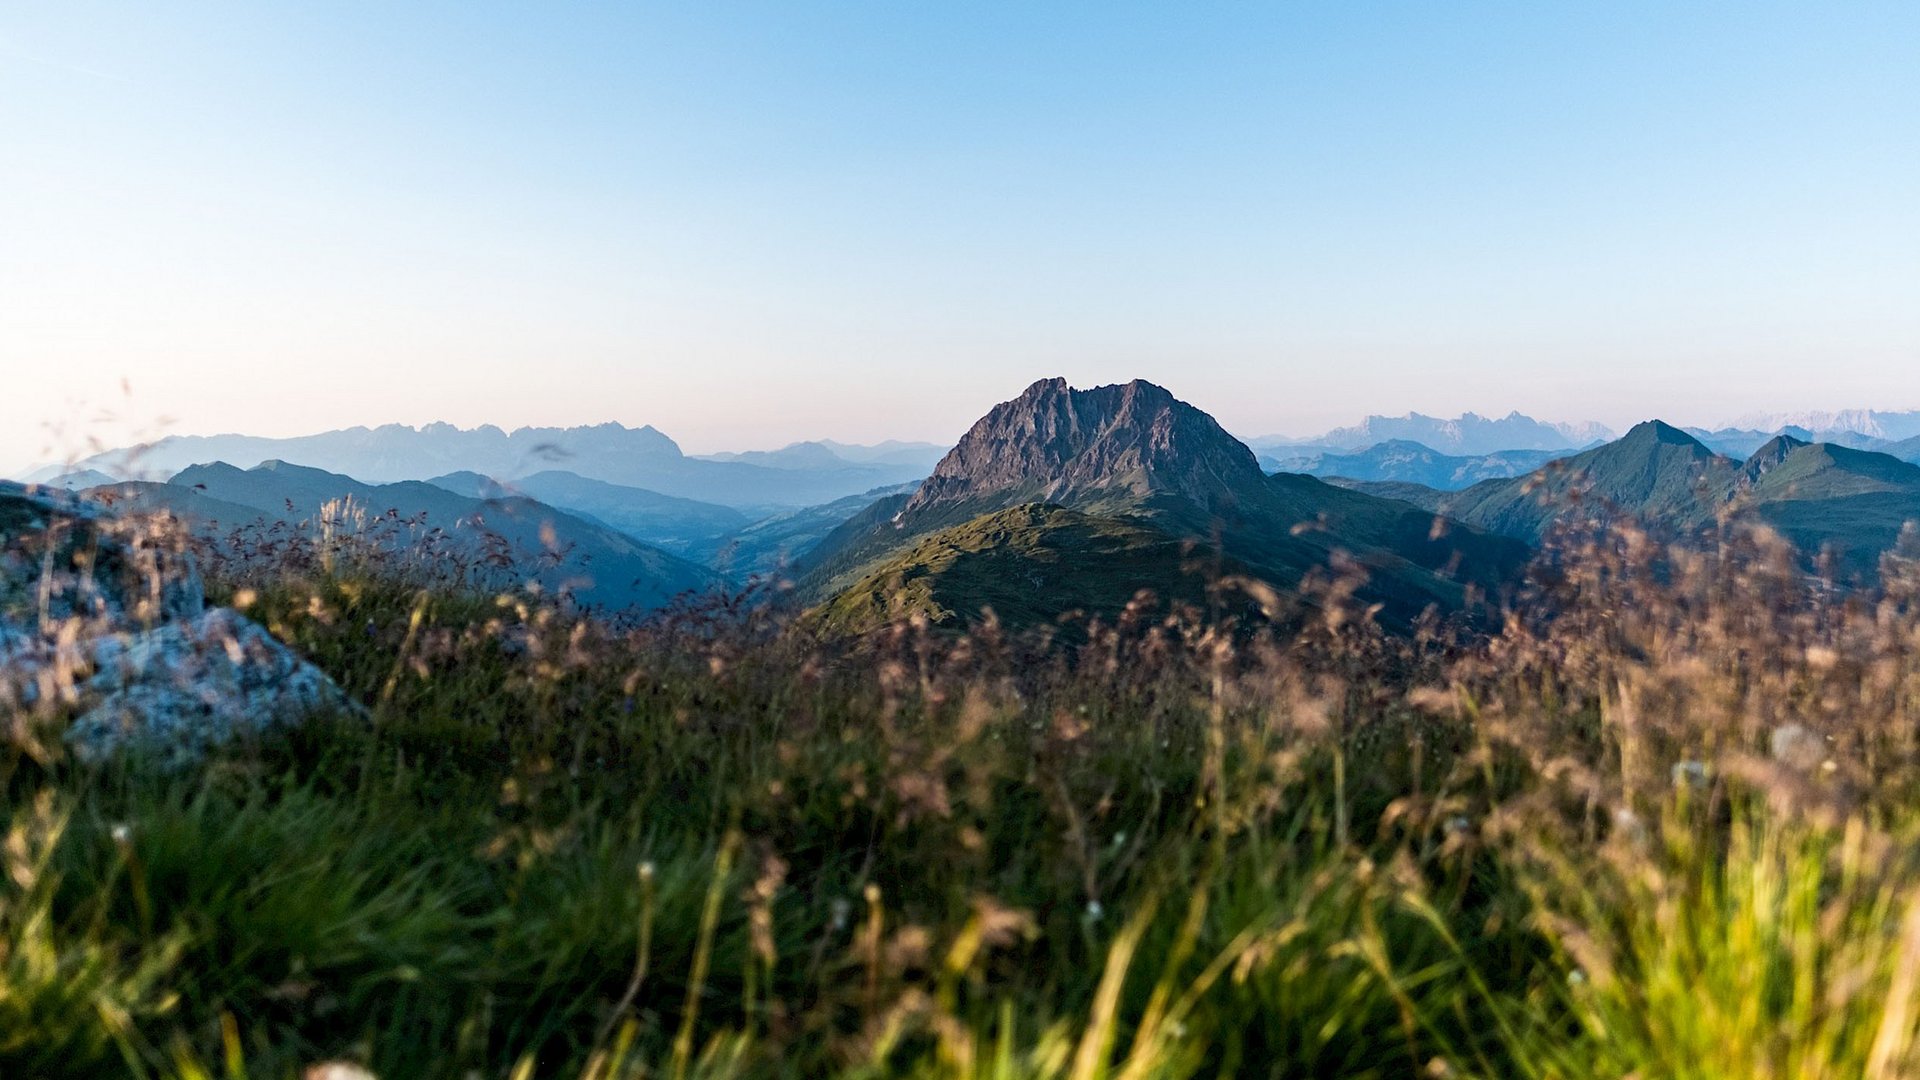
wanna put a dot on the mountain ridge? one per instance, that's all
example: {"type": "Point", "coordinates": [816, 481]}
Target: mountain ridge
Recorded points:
{"type": "Point", "coordinates": [522, 538]}
{"type": "Point", "coordinates": [1889, 425]}
{"type": "Point", "coordinates": [611, 452]}
{"type": "Point", "coordinates": [1406, 460]}
{"type": "Point", "coordinates": [1825, 498]}
{"type": "Point", "coordinates": [1465, 435]}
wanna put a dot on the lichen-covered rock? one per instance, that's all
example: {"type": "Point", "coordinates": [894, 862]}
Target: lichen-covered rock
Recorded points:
{"type": "Point", "coordinates": [105, 620]}
{"type": "Point", "coordinates": [182, 688]}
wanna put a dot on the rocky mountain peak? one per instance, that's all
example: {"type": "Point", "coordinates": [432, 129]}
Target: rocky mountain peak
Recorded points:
{"type": "Point", "coordinates": [1770, 456]}
{"type": "Point", "coordinates": [1054, 443]}
{"type": "Point", "coordinates": [1657, 431]}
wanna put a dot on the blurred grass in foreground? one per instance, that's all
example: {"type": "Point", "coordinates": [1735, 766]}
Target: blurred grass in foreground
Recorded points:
{"type": "Point", "coordinates": [1663, 826]}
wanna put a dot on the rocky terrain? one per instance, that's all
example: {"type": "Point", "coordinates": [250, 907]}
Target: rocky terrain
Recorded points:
{"type": "Point", "coordinates": [107, 641]}
{"type": "Point", "coordinates": [1056, 444]}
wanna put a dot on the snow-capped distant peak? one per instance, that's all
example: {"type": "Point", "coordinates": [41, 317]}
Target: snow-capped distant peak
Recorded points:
{"type": "Point", "coordinates": [1870, 422]}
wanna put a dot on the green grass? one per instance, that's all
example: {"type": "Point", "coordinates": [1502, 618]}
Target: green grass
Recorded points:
{"type": "Point", "coordinates": [713, 847]}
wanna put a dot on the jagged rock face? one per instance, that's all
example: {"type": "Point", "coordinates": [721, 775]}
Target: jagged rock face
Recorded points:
{"type": "Point", "coordinates": [1057, 444]}
{"type": "Point", "coordinates": [105, 636]}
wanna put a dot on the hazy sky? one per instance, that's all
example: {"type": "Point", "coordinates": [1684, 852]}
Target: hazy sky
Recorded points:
{"type": "Point", "coordinates": [748, 224]}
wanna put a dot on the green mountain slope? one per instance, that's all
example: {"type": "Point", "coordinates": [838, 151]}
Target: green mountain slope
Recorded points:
{"type": "Point", "coordinates": [1816, 471]}
{"type": "Point", "coordinates": [1655, 472]}
{"type": "Point", "coordinates": [1029, 564]}
{"type": "Point", "coordinates": [1850, 504]}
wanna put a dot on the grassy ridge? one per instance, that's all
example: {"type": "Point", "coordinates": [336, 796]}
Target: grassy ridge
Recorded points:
{"type": "Point", "coordinates": [1667, 832]}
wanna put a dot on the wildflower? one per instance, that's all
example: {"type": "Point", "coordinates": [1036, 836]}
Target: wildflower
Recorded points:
{"type": "Point", "coordinates": [1095, 911]}
{"type": "Point", "coordinates": [122, 833]}
{"type": "Point", "coordinates": [1459, 824]}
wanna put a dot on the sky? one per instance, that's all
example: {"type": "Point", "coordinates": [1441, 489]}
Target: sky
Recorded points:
{"type": "Point", "coordinates": [749, 224]}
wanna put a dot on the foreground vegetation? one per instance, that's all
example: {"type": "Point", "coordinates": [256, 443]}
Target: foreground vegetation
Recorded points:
{"type": "Point", "coordinates": [1664, 825]}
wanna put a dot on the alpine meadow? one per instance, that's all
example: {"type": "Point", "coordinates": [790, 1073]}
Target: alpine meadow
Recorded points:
{"type": "Point", "coordinates": [956, 683]}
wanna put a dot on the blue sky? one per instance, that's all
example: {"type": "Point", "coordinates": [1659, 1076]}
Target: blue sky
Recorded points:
{"type": "Point", "coordinates": [752, 223]}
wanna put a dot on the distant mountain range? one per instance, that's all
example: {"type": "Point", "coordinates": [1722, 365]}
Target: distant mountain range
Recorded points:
{"type": "Point", "coordinates": [826, 454]}
{"type": "Point", "coordinates": [803, 475]}
{"type": "Point", "coordinates": [1084, 497]}
{"type": "Point", "coordinates": [1405, 459]}
{"type": "Point", "coordinates": [718, 537]}
{"type": "Point", "coordinates": [503, 538]}
{"type": "Point", "coordinates": [1412, 462]}
{"type": "Point", "coordinates": [1742, 442]}
{"type": "Point", "coordinates": [1874, 423]}
{"type": "Point", "coordinates": [686, 527]}
{"type": "Point", "coordinates": [776, 545]}
{"type": "Point", "coordinates": [1059, 498]}
{"type": "Point", "coordinates": [1473, 435]}
{"type": "Point", "coordinates": [1467, 435]}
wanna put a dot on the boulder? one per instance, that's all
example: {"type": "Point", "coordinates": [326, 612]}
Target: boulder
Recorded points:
{"type": "Point", "coordinates": [105, 620]}
{"type": "Point", "coordinates": [181, 689]}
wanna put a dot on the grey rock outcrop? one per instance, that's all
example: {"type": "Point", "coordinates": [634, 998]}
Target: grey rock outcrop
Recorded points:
{"type": "Point", "coordinates": [104, 627]}
{"type": "Point", "coordinates": [1057, 444]}
{"type": "Point", "coordinates": [181, 689]}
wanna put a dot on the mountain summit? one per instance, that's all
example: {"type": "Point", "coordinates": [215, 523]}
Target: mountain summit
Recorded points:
{"type": "Point", "coordinates": [1056, 444]}
{"type": "Point", "coordinates": [1097, 493]}
{"type": "Point", "coordinates": [1655, 471]}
